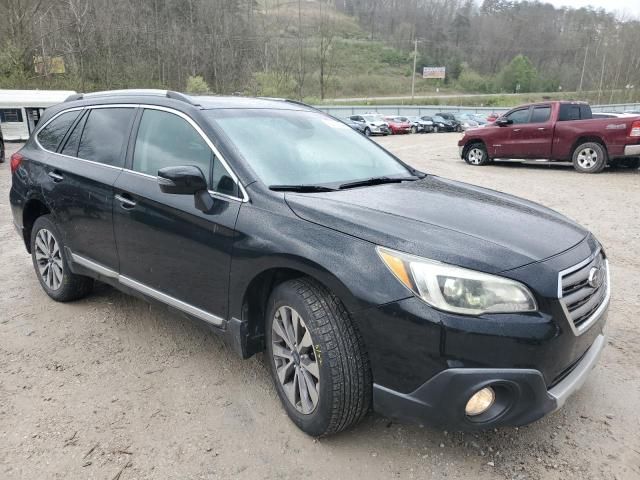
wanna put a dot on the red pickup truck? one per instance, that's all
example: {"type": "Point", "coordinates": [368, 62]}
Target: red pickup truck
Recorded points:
{"type": "Point", "coordinates": [557, 131]}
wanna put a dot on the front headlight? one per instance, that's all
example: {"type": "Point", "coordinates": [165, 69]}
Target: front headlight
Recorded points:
{"type": "Point", "coordinates": [455, 289]}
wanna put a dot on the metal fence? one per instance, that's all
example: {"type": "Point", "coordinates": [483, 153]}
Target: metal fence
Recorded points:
{"type": "Point", "coordinates": [342, 111]}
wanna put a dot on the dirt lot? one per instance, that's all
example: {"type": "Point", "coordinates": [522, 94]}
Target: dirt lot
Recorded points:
{"type": "Point", "coordinates": [112, 388]}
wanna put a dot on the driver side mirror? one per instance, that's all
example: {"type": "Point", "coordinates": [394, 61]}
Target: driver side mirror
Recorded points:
{"type": "Point", "coordinates": [183, 180]}
{"type": "Point", "coordinates": [503, 122]}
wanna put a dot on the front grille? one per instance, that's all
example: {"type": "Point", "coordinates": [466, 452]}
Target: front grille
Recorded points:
{"type": "Point", "coordinates": [582, 294]}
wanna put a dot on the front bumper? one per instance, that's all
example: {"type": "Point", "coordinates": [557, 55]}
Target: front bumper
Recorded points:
{"type": "Point", "coordinates": [522, 396]}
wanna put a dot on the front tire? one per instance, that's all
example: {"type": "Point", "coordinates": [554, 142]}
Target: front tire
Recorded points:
{"type": "Point", "coordinates": [51, 266]}
{"type": "Point", "coordinates": [589, 157]}
{"type": "Point", "coordinates": [367, 132]}
{"type": "Point", "coordinates": [476, 154]}
{"type": "Point", "coordinates": [435, 129]}
{"type": "Point", "coordinates": [317, 358]}
{"type": "Point", "coordinates": [414, 130]}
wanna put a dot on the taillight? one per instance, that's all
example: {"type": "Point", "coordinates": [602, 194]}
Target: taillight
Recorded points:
{"type": "Point", "coordinates": [635, 129]}
{"type": "Point", "coordinates": [16, 160]}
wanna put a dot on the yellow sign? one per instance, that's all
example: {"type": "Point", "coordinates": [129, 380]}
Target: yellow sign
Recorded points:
{"type": "Point", "coordinates": [49, 65]}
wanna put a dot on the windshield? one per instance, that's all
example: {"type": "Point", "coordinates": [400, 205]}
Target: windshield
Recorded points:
{"type": "Point", "coordinates": [287, 147]}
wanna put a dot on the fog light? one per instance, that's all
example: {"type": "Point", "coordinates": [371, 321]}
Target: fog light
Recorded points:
{"type": "Point", "coordinates": [480, 402]}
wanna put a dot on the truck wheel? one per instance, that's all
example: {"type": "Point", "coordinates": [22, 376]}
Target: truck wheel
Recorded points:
{"type": "Point", "coordinates": [589, 157]}
{"type": "Point", "coordinates": [316, 357]}
{"type": "Point", "coordinates": [476, 154]}
{"type": "Point", "coordinates": [52, 269]}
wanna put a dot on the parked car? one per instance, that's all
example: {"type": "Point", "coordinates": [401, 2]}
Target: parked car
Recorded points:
{"type": "Point", "coordinates": [440, 124]}
{"type": "Point", "coordinates": [451, 118]}
{"type": "Point", "coordinates": [373, 124]}
{"type": "Point", "coordinates": [492, 117]}
{"type": "Point", "coordinates": [357, 126]}
{"type": "Point", "coordinates": [2, 150]}
{"type": "Point", "coordinates": [561, 131]}
{"type": "Point", "coordinates": [479, 119]}
{"type": "Point", "coordinates": [418, 125]}
{"type": "Point", "coordinates": [612, 115]}
{"type": "Point", "coordinates": [367, 282]}
{"type": "Point", "coordinates": [398, 125]}
{"type": "Point", "coordinates": [465, 121]}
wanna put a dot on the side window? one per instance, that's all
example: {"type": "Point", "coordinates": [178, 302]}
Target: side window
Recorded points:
{"type": "Point", "coordinates": [585, 112]}
{"type": "Point", "coordinates": [519, 116]}
{"type": "Point", "coordinates": [51, 135]}
{"type": "Point", "coordinates": [569, 112]}
{"type": "Point", "coordinates": [104, 135]}
{"type": "Point", "coordinates": [222, 181]}
{"type": "Point", "coordinates": [73, 141]}
{"type": "Point", "coordinates": [10, 115]}
{"type": "Point", "coordinates": [540, 114]}
{"type": "Point", "coordinates": [166, 140]}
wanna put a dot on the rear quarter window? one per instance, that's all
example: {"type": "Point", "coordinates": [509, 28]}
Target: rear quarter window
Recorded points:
{"type": "Point", "coordinates": [53, 133]}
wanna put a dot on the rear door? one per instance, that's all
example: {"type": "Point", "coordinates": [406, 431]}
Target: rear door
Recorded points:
{"type": "Point", "coordinates": [81, 174]}
{"type": "Point", "coordinates": [169, 249]}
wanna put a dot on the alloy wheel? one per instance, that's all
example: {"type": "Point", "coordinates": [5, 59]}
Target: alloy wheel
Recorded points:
{"type": "Point", "coordinates": [587, 158]}
{"type": "Point", "coordinates": [295, 360]}
{"type": "Point", "coordinates": [475, 156]}
{"type": "Point", "coordinates": [49, 259]}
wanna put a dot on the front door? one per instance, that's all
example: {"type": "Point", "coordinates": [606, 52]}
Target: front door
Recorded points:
{"type": "Point", "coordinates": [168, 249]}
{"type": "Point", "coordinates": [512, 136]}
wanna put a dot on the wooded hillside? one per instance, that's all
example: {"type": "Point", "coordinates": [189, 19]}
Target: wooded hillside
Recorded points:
{"type": "Point", "coordinates": [317, 49]}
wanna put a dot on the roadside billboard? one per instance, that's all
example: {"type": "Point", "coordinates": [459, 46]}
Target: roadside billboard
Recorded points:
{"type": "Point", "coordinates": [434, 72]}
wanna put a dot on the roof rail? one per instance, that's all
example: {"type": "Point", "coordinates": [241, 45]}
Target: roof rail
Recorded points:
{"type": "Point", "coordinates": [134, 92]}
{"type": "Point", "coordinates": [295, 102]}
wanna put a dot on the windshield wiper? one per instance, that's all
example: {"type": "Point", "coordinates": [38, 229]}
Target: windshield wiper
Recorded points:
{"type": "Point", "coordinates": [301, 188]}
{"type": "Point", "coordinates": [376, 181]}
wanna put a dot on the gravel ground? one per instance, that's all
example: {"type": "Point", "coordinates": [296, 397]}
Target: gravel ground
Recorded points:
{"type": "Point", "coordinates": [113, 388]}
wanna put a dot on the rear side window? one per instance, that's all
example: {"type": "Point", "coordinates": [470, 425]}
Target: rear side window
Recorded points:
{"type": "Point", "coordinates": [104, 135]}
{"type": "Point", "coordinates": [10, 115]}
{"type": "Point", "coordinates": [574, 112]}
{"type": "Point", "coordinates": [51, 135]}
{"type": "Point", "coordinates": [73, 142]}
{"type": "Point", "coordinates": [540, 114]}
{"type": "Point", "coordinates": [166, 140]}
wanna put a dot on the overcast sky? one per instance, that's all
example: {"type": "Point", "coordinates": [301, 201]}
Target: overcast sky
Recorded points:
{"type": "Point", "coordinates": [619, 6]}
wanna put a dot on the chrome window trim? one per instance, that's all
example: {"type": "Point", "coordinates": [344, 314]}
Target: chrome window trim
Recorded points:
{"type": "Point", "coordinates": [151, 292]}
{"type": "Point", "coordinates": [245, 196]}
{"type": "Point", "coordinates": [584, 326]}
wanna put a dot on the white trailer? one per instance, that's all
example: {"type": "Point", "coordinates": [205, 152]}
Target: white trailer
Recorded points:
{"type": "Point", "coordinates": [20, 110]}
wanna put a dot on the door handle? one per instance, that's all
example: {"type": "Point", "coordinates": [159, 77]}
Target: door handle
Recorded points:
{"type": "Point", "coordinates": [517, 130]}
{"type": "Point", "coordinates": [541, 129]}
{"type": "Point", "coordinates": [56, 177]}
{"type": "Point", "coordinates": [126, 203]}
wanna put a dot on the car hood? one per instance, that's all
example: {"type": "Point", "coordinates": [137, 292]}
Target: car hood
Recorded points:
{"type": "Point", "coordinates": [444, 220]}
{"type": "Point", "coordinates": [378, 124]}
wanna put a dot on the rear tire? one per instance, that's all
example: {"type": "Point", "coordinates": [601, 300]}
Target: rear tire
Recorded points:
{"type": "Point", "coordinates": [476, 154]}
{"type": "Point", "coordinates": [51, 266]}
{"type": "Point", "coordinates": [589, 157]}
{"type": "Point", "coordinates": [328, 355]}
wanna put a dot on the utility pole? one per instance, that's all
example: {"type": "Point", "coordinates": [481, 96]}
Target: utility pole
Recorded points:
{"type": "Point", "coordinates": [413, 73]}
{"type": "Point", "coordinates": [604, 61]}
{"type": "Point", "coordinates": [584, 64]}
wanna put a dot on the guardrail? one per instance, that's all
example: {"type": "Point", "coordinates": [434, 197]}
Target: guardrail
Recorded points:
{"type": "Point", "coordinates": [342, 111]}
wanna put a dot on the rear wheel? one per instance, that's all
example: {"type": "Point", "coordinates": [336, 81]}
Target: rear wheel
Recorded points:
{"type": "Point", "coordinates": [589, 157]}
{"type": "Point", "coordinates": [316, 358]}
{"type": "Point", "coordinates": [52, 269]}
{"type": "Point", "coordinates": [476, 154]}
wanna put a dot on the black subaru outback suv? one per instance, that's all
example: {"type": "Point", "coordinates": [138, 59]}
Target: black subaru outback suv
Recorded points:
{"type": "Point", "coordinates": [367, 282]}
